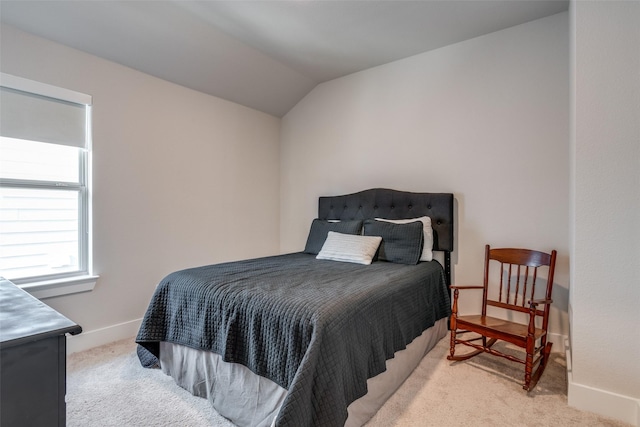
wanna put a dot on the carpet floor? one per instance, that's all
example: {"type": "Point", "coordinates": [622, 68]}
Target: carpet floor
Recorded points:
{"type": "Point", "coordinates": [106, 386]}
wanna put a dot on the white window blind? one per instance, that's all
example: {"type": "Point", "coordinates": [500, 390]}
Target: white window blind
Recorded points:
{"type": "Point", "coordinates": [33, 117]}
{"type": "Point", "coordinates": [44, 181]}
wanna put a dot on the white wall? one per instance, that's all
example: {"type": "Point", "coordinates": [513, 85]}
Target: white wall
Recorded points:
{"type": "Point", "coordinates": [177, 178]}
{"type": "Point", "coordinates": [486, 119]}
{"type": "Point", "coordinates": [605, 245]}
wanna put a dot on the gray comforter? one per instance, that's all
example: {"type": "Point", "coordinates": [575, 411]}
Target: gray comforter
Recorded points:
{"type": "Point", "coordinates": [317, 328]}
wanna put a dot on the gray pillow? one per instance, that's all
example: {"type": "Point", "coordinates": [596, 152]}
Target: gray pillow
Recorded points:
{"type": "Point", "coordinates": [401, 243]}
{"type": "Point", "coordinates": [320, 229]}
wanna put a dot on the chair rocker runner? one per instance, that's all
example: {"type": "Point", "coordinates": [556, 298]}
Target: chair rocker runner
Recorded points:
{"type": "Point", "coordinates": [513, 291]}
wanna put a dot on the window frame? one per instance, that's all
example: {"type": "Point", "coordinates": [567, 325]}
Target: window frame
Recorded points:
{"type": "Point", "coordinates": [82, 279]}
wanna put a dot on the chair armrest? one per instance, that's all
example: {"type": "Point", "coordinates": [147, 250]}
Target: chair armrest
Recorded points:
{"type": "Point", "coordinates": [540, 301]}
{"type": "Point", "coordinates": [466, 287]}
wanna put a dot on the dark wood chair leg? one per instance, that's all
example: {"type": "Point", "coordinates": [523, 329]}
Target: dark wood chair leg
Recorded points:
{"type": "Point", "coordinates": [543, 364]}
{"type": "Point", "coordinates": [530, 348]}
{"type": "Point", "coordinates": [528, 367]}
{"type": "Point", "coordinates": [452, 345]}
{"type": "Point", "coordinates": [453, 325]}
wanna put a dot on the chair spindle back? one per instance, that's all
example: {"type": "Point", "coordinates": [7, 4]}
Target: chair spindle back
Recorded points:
{"type": "Point", "coordinates": [518, 278]}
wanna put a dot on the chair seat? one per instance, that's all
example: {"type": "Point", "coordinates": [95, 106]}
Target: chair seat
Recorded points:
{"type": "Point", "coordinates": [508, 331]}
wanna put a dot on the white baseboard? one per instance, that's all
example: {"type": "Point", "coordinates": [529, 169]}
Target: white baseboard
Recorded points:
{"type": "Point", "coordinates": [601, 402]}
{"type": "Point", "coordinates": [98, 337]}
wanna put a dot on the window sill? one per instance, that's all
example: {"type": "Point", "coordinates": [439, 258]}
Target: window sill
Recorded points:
{"type": "Point", "coordinates": [59, 287]}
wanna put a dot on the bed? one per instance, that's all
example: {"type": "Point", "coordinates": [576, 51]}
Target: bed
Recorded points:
{"type": "Point", "coordinates": [311, 338]}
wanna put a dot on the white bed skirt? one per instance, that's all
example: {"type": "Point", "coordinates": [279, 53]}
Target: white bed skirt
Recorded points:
{"type": "Point", "coordinates": [249, 400]}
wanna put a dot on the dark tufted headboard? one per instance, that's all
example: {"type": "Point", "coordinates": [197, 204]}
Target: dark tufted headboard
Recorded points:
{"type": "Point", "coordinates": [393, 204]}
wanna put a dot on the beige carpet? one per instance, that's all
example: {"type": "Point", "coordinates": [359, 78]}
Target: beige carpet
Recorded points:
{"type": "Point", "coordinates": [106, 386]}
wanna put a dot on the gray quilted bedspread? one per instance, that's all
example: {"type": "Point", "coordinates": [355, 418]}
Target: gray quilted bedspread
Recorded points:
{"type": "Point", "coordinates": [317, 328]}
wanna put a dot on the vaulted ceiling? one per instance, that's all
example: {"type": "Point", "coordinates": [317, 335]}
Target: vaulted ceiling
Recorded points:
{"type": "Point", "coordinates": [266, 55]}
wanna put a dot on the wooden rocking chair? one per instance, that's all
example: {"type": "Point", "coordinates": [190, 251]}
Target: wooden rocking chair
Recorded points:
{"type": "Point", "coordinates": [516, 265]}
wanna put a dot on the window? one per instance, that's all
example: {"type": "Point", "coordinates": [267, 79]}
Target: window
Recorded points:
{"type": "Point", "coordinates": [44, 186]}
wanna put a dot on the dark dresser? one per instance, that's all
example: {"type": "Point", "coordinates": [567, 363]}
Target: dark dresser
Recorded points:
{"type": "Point", "coordinates": [33, 355]}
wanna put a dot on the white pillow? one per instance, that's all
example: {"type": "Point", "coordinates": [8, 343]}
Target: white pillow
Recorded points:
{"type": "Point", "coordinates": [349, 248]}
{"type": "Point", "coordinates": [427, 249]}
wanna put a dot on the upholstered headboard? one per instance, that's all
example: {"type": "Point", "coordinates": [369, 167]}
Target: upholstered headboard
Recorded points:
{"type": "Point", "coordinates": [393, 204]}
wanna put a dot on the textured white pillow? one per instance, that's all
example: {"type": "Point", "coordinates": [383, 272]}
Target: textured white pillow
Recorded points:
{"type": "Point", "coordinates": [427, 248]}
{"type": "Point", "coordinates": [349, 248]}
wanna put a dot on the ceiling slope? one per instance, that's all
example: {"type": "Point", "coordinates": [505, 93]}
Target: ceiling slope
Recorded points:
{"type": "Point", "coordinates": [266, 55]}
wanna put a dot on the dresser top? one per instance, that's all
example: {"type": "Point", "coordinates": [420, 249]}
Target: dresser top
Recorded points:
{"type": "Point", "coordinates": [25, 318]}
